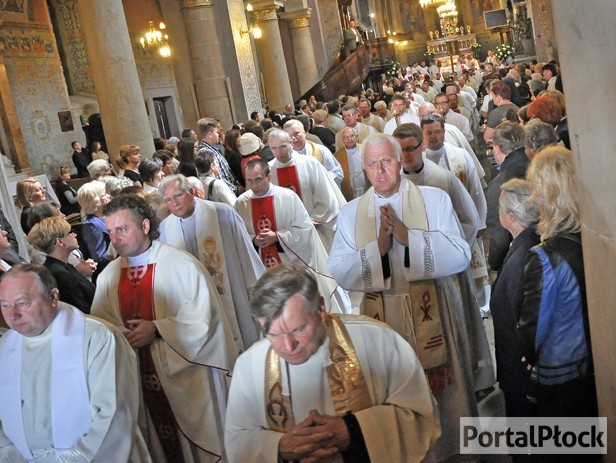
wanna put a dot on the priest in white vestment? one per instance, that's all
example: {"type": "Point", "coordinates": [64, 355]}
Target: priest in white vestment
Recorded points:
{"type": "Point", "coordinates": [369, 118]}
{"type": "Point", "coordinates": [286, 403]}
{"type": "Point", "coordinates": [216, 235]}
{"type": "Point", "coordinates": [282, 231]}
{"type": "Point", "coordinates": [309, 180]}
{"type": "Point", "coordinates": [304, 147]}
{"type": "Point", "coordinates": [461, 122]}
{"type": "Point", "coordinates": [401, 245]}
{"type": "Point", "coordinates": [354, 183]}
{"type": "Point", "coordinates": [458, 161]}
{"type": "Point", "coordinates": [423, 172]}
{"type": "Point", "coordinates": [168, 306]}
{"type": "Point", "coordinates": [455, 137]}
{"type": "Point", "coordinates": [69, 388]}
{"type": "Point", "coordinates": [351, 117]}
{"type": "Point", "coordinates": [400, 116]}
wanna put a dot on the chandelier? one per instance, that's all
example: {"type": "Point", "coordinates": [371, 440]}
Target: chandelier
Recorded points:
{"type": "Point", "coordinates": [156, 39]}
{"type": "Point", "coordinates": [448, 10]}
{"type": "Point", "coordinates": [431, 3]}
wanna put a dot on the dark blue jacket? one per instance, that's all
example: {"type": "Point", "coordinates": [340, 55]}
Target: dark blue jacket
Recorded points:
{"type": "Point", "coordinates": [553, 327]}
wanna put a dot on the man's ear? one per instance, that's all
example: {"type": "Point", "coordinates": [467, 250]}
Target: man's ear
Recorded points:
{"type": "Point", "coordinates": [145, 226]}
{"type": "Point", "coordinates": [322, 311]}
{"type": "Point", "coordinates": [54, 296]}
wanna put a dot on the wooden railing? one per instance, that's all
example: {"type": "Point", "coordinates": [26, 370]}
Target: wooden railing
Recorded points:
{"type": "Point", "coordinates": [343, 78]}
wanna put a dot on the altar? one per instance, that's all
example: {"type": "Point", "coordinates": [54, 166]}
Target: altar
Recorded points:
{"type": "Point", "coordinates": [449, 47]}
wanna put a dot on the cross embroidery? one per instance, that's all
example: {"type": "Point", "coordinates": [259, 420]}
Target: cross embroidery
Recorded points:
{"type": "Point", "coordinates": [425, 308]}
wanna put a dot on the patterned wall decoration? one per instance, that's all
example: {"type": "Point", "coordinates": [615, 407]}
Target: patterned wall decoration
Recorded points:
{"type": "Point", "coordinates": [71, 36]}
{"type": "Point", "coordinates": [26, 42]}
{"type": "Point", "coordinates": [244, 52]}
{"type": "Point", "coordinates": [15, 10]}
{"type": "Point", "coordinates": [38, 85]}
{"type": "Point", "coordinates": [332, 31]}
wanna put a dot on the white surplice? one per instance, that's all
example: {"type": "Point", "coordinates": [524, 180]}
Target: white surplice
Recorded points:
{"type": "Point", "coordinates": [400, 427]}
{"type": "Point", "coordinates": [299, 240]}
{"type": "Point", "coordinates": [229, 256]}
{"type": "Point", "coordinates": [195, 348]}
{"type": "Point", "coordinates": [110, 367]}
{"type": "Point", "coordinates": [435, 254]}
{"type": "Point", "coordinates": [321, 196]}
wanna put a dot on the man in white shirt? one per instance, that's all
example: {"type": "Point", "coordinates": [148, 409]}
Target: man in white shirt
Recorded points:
{"type": "Point", "coordinates": [350, 115]}
{"type": "Point", "coordinates": [441, 101]}
{"type": "Point", "coordinates": [354, 183]}
{"type": "Point", "coordinates": [368, 118]}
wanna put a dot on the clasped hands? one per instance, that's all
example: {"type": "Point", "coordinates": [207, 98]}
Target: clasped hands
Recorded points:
{"type": "Point", "coordinates": [142, 333]}
{"type": "Point", "coordinates": [391, 227]}
{"type": "Point", "coordinates": [265, 237]}
{"type": "Point", "coordinates": [319, 438]}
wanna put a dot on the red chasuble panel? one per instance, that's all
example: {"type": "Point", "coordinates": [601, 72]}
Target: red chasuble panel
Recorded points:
{"type": "Point", "coordinates": [264, 218]}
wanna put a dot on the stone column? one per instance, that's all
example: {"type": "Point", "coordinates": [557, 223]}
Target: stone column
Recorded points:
{"type": "Point", "coordinates": [116, 82]}
{"type": "Point", "coordinates": [303, 51]}
{"type": "Point", "coordinates": [543, 30]}
{"type": "Point", "coordinates": [180, 59]}
{"type": "Point", "coordinates": [208, 69]}
{"type": "Point", "coordinates": [585, 36]}
{"type": "Point", "coordinates": [10, 121]}
{"type": "Point", "coordinates": [271, 54]}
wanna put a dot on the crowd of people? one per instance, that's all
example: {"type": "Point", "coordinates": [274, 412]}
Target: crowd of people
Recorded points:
{"type": "Point", "coordinates": [306, 286]}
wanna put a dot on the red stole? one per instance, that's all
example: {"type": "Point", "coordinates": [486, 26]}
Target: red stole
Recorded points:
{"type": "Point", "coordinates": [288, 178]}
{"type": "Point", "coordinates": [136, 298]}
{"type": "Point", "coordinates": [264, 218]}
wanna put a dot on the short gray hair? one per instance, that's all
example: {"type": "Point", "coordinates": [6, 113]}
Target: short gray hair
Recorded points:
{"type": "Point", "coordinates": [178, 179]}
{"type": "Point", "coordinates": [378, 139]}
{"type": "Point", "coordinates": [538, 134]}
{"type": "Point", "coordinates": [279, 133]}
{"type": "Point", "coordinates": [276, 286]}
{"type": "Point", "coordinates": [515, 200]}
{"type": "Point", "coordinates": [508, 136]}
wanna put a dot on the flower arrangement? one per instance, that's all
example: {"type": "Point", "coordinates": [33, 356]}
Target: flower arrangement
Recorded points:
{"type": "Point", "coordinates": [396, 68]}
{"type": "Point", "coordinates": [503, 52]}
{"type": "Point", "coordinates": [476, 47]}
{"type": "Point", "coordinates": [429, 55]}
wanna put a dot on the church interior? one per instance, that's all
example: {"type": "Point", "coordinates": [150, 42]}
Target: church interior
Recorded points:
{"type": "Point", "coordinates": [131, 71]}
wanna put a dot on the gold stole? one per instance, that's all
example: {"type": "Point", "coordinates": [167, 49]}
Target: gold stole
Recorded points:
{"type": "Point", "coordinates": [316, 152]}
{"type": "Point", "coordinates": [425, 308]}
{"type": "Point", "coordinates": [457, 164]}
{"type": "Point", "coordinates": [346, 380]}
{"type": "Point", "coordinates": [345, 186]}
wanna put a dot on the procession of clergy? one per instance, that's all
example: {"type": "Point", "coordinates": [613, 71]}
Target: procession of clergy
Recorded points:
{"type": "Point", "coordinates": [296, 326]}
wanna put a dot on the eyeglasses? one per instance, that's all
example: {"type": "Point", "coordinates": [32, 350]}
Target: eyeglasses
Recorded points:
{"type": "Point", "coordinates": [410, 149]}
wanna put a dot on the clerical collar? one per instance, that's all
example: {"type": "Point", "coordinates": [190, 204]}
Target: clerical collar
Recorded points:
{"type": "Point", "coordinates": [416, 172]}
{"type": "Point", "coordinates": [190, 218]}
{"type": "Point", "coordinates": [141, 259]}
{"type": "Point", "coordinates": [269, 192]}
{"type": "Point", "coordinates": [352, 150]}
{"type": "Point", "coordinates": [436, 153]}
{"type": "Point", "coordinates": [290, 162]}
{"type": "Point", "coordinates": [303, 150]}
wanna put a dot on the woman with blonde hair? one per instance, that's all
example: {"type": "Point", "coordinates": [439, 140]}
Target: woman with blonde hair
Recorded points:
{"type": "Point", "coordinates": [553, 327]}
{"type": "Point", "coordinates": [130, 157]}
{"type": "Point", "coordinates": [29, 192]}
{"type": "Point", "coordinates": [54, 237]}
{"type": "Point", "coordinates": [92, 197]}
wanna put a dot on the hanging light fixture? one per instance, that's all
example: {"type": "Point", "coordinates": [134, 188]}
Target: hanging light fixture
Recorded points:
{"type": "Point", "coordinates": [156, 39]}
{"type": "Point", "coordinates": [431, 3]}
{"type": "Point", "coordinates": [448, 10]}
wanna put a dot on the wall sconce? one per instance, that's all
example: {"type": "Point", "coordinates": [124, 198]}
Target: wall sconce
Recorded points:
{"type": "Point", "coordinates": [256, 31]}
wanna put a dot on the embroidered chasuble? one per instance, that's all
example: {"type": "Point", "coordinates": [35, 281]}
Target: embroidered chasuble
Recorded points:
{"type": "Point", "coordinates": [263, 218]}
{"type": "Point", "coordinates": [135, 295]}
{"type": "Point", "coordinates": [347, 384]}
{"type": "Point", "coordinates": [424, 313]}
{"type": "Point", "coordinates": [288, 178]}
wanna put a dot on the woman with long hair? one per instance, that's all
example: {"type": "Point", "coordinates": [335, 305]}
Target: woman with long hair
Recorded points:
{"type": "Point", "coordinates": [187, 153]}
{"type": "Point", "coordinates": [553, 327]}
